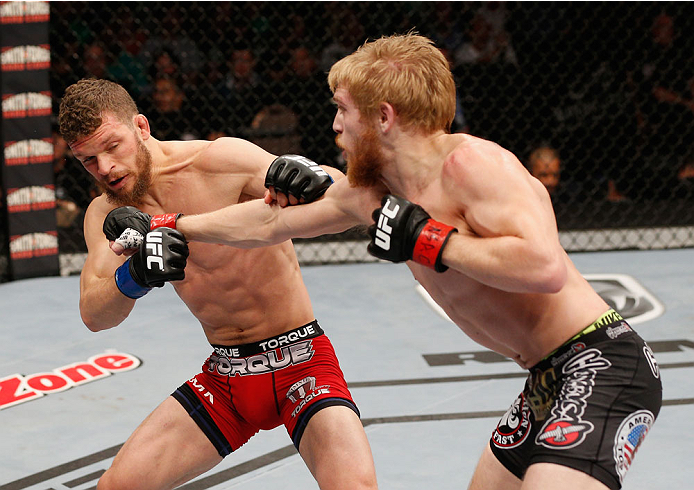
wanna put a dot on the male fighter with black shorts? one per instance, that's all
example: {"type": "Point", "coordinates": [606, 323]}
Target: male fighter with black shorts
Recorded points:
{"type": "Point", "coordinates": [479, 234]}
{"type": "Point", "coordinates": [271, 363]}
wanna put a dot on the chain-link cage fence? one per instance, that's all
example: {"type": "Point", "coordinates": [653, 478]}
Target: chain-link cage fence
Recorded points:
{"type": "Point", "coordinates": [604, 90]}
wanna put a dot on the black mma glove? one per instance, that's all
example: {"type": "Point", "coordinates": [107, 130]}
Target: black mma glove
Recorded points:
{"type": "Point", "coordinates": [297, 176]}
{"type": "Point", "coordinates": [120, 219]}
{"type": "Point", "coordinates": [128, 225]}
{"type": "Point", "coordinates": [404, 231]}
{"type": "Point", "coordinates": [161, 258]}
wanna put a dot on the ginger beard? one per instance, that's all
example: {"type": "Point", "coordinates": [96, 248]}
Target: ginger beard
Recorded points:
{"type": "Point", "coordinates": [143, 178]}
{"type": "Point", "coordinates": [365, 162]}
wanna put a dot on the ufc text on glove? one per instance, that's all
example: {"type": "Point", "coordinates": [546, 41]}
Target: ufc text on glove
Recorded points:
{"type": "Point", "coordinates": [405, 231]}
{"type": "Point", "coordinates": [161, 258]}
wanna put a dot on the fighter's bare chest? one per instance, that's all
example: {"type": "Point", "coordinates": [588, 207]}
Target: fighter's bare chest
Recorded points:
{"type": "Point", "coordinates": [214, 267]}
{"type": "Point", "coordinates": [197, 197]}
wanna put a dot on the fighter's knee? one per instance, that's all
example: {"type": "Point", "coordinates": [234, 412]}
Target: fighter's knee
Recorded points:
{"type": "Point", "coordinates": [354, 478]}
{"type": "Point", "coordinates": [364, 476]}
{"type": "Point", "coordinates": [353, 482]}
{"type": "Point", "coordinates": [104, 482]}
{"type": "Point", "coordinates": [111, 480]}
{"type": "Point", "coordinates": [368, 481]}
{"type": "Point", "coordinates": [359, 478]}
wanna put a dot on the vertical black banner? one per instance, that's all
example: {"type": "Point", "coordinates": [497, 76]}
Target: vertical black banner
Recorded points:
{"type": "Point", "coordinates": [27, 168]}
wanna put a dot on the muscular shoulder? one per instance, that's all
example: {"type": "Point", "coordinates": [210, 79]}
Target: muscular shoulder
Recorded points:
{"type": "Point", "coordinates": [472, 152]}
{"type": "Point", "coordinates": [99, 207]}
{"type": "Point", "coordinates": [232, 154]}
{"type": "Point", "coordinates": [94, 219]}
{"type": "Point", "coordinates": [234, 167]}
{"type": "Point", "coordinates": [96, 212]}
{"type": "Point", "coordinates": [475, 160]}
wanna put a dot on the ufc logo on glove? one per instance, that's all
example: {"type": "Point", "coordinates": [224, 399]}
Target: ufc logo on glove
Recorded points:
{"type": "Point", "coordinates": [154, 246]}
{"type": "Point", "coordinates": [383, 229]}
{"type": "Point", "coordinates": [402, 231]}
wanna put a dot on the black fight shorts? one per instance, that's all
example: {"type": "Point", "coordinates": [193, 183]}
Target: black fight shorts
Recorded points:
{"type": "Point", "coordinates": [588, 405]}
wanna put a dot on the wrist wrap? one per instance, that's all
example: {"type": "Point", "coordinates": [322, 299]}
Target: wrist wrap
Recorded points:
{"type": "Point", "coordinates": [168, 220]}
{"type": "Point", "coordinates": [428, 248]}
{"type": "Point", "coordinates": [127, 285]}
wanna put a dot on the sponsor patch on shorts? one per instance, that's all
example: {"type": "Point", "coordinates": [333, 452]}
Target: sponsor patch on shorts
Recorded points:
{"type": "Point", "coordinates": [630, 435]}
{"type": "Point", "coordinates": [566, 427]}
{"type": "Point", "coordinates": [617, 330]}
{"type": "Point", "coordinates": [304, 391]}
{"type": "Point", "coordinates": [514, 426]}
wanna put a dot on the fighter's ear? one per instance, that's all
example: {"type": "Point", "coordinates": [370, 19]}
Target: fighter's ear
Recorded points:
{"type": "Point", "coordinates": [386, 116]}
{"type": "Point", "coordinates": [142, 126]}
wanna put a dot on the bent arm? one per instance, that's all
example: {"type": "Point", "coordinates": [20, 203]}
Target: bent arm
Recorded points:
{"type": "Point", "coordinates": [514, 245]}
{"type": "Point", "coordinates": [255, 224]}
{"type": "Point", "coordinates": [102, 305]}
{"type": "Point", "coordinates": [516, 264]}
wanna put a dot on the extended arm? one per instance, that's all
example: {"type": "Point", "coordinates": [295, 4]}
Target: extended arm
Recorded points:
{"type": "Point", "coordinates": [255, 224]}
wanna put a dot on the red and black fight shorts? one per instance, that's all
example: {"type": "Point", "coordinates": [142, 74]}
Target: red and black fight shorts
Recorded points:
{"type": "Point", "coordinates": [285, 379]}
{"type": "Point", "coordinates": [587, 406]}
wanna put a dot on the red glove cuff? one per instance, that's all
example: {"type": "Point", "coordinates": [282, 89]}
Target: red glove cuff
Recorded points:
{"type": "Point", "coordinates": [429, 245]}
{"type": "Point", "coordinates": [168, 220]}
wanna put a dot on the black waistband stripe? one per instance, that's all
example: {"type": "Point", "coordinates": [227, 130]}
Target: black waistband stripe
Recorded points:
{"type": "Point", "coordinates": [308, 331]}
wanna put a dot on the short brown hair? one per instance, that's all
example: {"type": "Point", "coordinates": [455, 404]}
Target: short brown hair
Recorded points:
{"type": "Point", "coordinates": [405, 70]}
{"type": "Point", "coordinates": [84, 103]}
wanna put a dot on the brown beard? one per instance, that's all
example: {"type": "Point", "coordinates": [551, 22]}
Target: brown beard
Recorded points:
{"type": "Point", "coordinates": [143, 179]}
{"type": "Point", "coordinates": [364, 165]}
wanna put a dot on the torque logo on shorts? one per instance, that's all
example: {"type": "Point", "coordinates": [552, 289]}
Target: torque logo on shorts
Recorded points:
{"type": "Point", "coordinates": [305, 391]}
{"type": "Point", "coordinates": [629, 437]}
{"type": "Point", "coordinates": [565, 427]}
{"type": "Point", "coordinates": [284, 339]}
{"type": "Point", "coordinates": [299, 389]}
{"type": "Point", "coordinates": [264, 362]}
{"type": "Point", "coordinates": [513, 426]}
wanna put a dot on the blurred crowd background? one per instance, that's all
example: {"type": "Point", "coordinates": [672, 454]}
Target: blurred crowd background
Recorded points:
{"type": "Point", "coordinates": [596, 99]}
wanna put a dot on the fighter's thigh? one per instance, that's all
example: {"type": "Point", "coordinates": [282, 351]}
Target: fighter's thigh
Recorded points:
{"type": "Point", "coordinates": [490, 474]}
{"type": "Point", "coordinates": [548, 475]}
{"type": "Point", "coordinates": [167, 449]}
{"type": "Point", "coordinates": [336, 450]}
